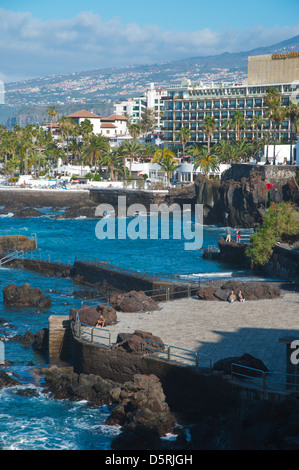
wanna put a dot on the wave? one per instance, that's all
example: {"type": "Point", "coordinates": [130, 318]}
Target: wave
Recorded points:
{"type": "Point", "coordinates": [9, 214]}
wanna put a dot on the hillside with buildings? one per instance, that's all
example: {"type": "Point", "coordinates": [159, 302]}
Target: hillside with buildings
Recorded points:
{"type": "Point", "coordinates": [98, 90]}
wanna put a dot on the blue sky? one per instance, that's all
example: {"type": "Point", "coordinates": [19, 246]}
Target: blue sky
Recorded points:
{"type": "Point", "coordinates": [39, 38]}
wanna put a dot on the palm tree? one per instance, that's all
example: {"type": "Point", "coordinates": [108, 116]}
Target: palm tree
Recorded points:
{"type": "Point", "coordinates": [134, 130]}
{"type": "Point", "coordinates": [227, 125]}
{"type": "Point", "coordinates": [207, 161]}
{"type": "Point", "coordinates": [52, 113]}
{"type": "Point", "coordinates": [132, 148]}
{"type": "Point", "coordinates": [278, 117]}
{"type": "Point", "coordinates": [167, 161]}
{"type": "Point", "coordinates": [273, 102]}
{"type": "Point", "coordinates": [292, 112]}
{"type": "Point", "coordinates": [238, 121]}
{"type": "Point", "coordinates": [95, 150]}
{"type": "Point", "coordinates": [112, 160]}
{"type": "Point", "coordinates": [184, 136]}
{"type": "Point", "coordinates": [209, 124]}
{"type": "Point", "coordinates": [257, 122]}
{"type": "Point", "coordinates": [66, 126]}
{"type": "Point", "coordinates": [86, 129]}
{"type": "Point", "coordinates": [148, 150]}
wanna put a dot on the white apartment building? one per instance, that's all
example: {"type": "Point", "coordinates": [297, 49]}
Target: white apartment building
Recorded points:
{"type": "Point", "coordinates": [135, 107]}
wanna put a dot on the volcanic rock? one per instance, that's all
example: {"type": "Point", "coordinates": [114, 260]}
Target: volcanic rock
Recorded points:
{"type": "Point", "coordinates": [250, 291]}
{"type": "Point", "coordinates": [90, 315]}
{"type": "Point", "coordinates": [246, 360]}
{"type": "Point", "coordinates": [139, 342]}
{"type": "Point", "coordinates": [25, 295]}
{"type": "Point", "coordinates": [141, 402]}
{"type": "Point", "coordinates": [133, 302]}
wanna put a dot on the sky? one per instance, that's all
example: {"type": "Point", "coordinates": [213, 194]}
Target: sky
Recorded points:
{"type": "Point", "coordinates": [39, 38]}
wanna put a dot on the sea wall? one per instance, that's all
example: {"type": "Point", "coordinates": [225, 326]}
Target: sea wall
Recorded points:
{"type": "Point", "coordinates": [125, 281]}
{"type": "Point", "coordinates": [186, 389]}
{"type": "Point", "coordinates": [42, 198]}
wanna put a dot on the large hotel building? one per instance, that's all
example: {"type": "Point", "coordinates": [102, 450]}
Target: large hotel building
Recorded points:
{"type": "Point", "coordinates": [186, 105]}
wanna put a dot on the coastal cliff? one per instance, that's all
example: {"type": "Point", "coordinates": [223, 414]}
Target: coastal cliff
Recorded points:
{"type": "Point", "coordinates": [235, 199]}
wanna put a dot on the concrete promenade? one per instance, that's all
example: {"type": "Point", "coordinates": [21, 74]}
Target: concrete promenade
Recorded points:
{"type": "Point", "coordinates": [220, 329]}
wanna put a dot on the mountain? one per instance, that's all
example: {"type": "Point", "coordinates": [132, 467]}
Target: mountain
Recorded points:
{"type": "Point", "coordinates": [96, 90]}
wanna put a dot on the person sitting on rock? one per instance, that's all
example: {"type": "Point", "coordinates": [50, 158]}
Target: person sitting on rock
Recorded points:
{"type": "Point", "coordinates": [232, 297]}
{"type": "Point", "coordinates": [101, 321]}
{"type": "Point", "coordinates": [240, 297]}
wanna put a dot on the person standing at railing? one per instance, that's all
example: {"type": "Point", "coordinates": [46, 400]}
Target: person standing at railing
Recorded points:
{"type": "Point", "coordinates": [228, 235]}
{"type": "Point", "coordinates": [238, 235]}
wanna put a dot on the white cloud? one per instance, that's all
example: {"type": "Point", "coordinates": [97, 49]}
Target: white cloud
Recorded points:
{"type": "Point", "coordinates": [30, 47]}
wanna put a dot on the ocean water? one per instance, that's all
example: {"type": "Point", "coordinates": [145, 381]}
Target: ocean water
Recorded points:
{"type": "Point", "coordinates": [40, 422]}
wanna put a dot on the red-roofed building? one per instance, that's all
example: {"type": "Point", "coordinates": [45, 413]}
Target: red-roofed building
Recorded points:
{"type": "Point", "coordinates": [80, 116]}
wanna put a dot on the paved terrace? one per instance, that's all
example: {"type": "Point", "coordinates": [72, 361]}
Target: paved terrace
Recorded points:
{"type": "Point", "coordinates": [220, 329]}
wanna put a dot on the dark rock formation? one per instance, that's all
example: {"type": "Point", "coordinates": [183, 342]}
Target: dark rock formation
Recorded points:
{"type": "Point", "coordinates": [236, 199]}
{"type": "Point", "coordinates": [250, 291]}
{"type": "Point", "coordinates": [139, 342]}
{"type": "Point", "coordinates": [38, 341]}
{"type": "Point", "coordinates": [246, 360]}
{"type": "Point", "coordinates": [133, 302]}
{"type": "Point", "coordinates": [7, 381]}
{"type": "Point", "coordinates": [90, 315]}
{"type": "Point", "coordinates": [142, 402]}
{"type": "Point", "coordinates": [63, 383]}
{"type": "Point", "coordinates": [233, 252]}
{"type": "Point", "coordinates": [25, 295]}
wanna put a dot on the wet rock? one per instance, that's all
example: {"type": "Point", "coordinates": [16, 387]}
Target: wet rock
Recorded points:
{"type": "Point", "coordinates": [133, 302]}
{"type": "Point", "coordinates": [25, 295]}
{"type": "Point", "coordinates": [7, 381]}
{"type": "Point", "coordinates": [142, 402]}
{"type": "Point", "coordinates": [63, 383]}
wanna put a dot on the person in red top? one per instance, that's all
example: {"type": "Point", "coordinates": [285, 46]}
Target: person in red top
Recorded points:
{"type": "Point", "coordinates": [238, 235]}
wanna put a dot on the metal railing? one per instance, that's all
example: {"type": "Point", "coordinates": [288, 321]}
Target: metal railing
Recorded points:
{"type": "Point", "coordinates": [266, 379]}
{"type": "Point", "coordinates": [185, 357]}
{"type": "Point", "coordinates": [11, 255]}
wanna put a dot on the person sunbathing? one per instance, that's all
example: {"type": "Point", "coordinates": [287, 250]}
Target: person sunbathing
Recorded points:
{"type": "Point", "coordinates": [101, 322]}
{"type": "Point", "coordinates": [232, 297]}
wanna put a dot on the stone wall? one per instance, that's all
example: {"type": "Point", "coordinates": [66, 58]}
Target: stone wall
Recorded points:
{"type": "Point", "coordinates": [186, 389]}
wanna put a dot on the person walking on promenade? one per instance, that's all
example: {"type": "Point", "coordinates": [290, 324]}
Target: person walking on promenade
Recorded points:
{"type": "Point", "coordinates": [228, 236]}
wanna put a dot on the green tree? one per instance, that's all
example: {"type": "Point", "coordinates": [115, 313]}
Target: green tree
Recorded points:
{"type": "Point", "coordinates": [167, 161]}
{"type": "Point", "coordinates": [132, 149]}
{"type": "Point", "coordinates": [238, 122]}
{"type": "Point", "coordinates": [52, 113]}
{"type": "Point", "coordinates": [209, 125]}
{"type": "Point", "coordinates": [207, 161]}
{"type": "Point", "coordinates": [96, 149]}
{"type": "Point", "coordinates": [272, 101]}
{"type": "Point", "coordinates": [184, 137]}
{"type": "Point", "coordinates": [280, 221]}
{"type": "Point", "coordinates": [292, 112]}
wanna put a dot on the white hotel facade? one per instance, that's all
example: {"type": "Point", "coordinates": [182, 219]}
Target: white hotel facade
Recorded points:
{"type": "Point", "coordinates": [187, 105]}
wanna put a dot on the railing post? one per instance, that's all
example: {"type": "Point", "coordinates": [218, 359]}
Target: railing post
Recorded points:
{"type": "Point", "coordinates": [92, 329]}
{"type": "Point", "coordinates": [168, 353]}
{"type": "Point", "coordinates": [264, 381]}
{"type": "Point", "coordinates": [196, 360]}
{"type": "Point", "coordinates": [109, 339]}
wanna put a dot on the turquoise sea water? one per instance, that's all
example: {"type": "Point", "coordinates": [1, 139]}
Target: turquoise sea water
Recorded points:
{"type": "Point", "coordinates": [40, 422]}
